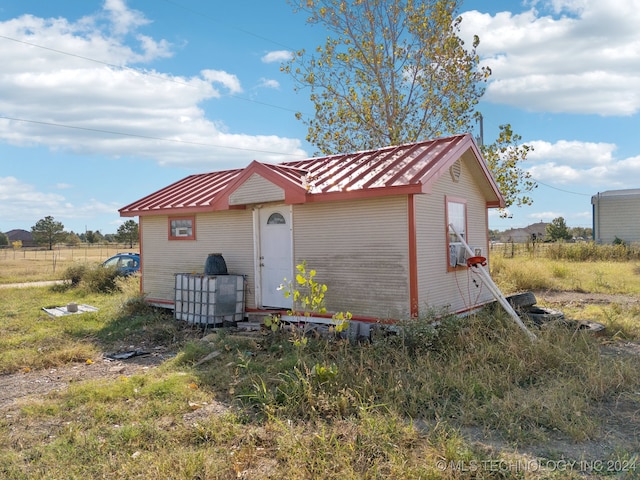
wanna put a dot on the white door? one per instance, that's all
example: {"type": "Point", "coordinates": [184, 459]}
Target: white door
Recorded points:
{"type": "Point", "coordinates": [276, 261]}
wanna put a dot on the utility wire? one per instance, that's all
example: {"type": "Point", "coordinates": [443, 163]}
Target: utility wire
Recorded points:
{"type": "Point", "coordinates": [139, 71]}
{"type": "Point", "coordinates": [246, 32]}
{"type": "Point", "coordinates": [147, 137]}
{"type": "Point", "coordinates": [561, 190]}
{"type": "Point", "coordinates": [149, 74]}
{"type": "Point", "coordinates": [112, 65]}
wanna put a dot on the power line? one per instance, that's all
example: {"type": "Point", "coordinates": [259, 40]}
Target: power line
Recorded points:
{"type": "Point", "coordinates": [146, 137]}
{"type": "Point", "coordinates": [246, 32]}
{"type": "Point", "coordinates": [112, 65]}
{"type": "Point", "coordinates": [561, 190]}
{"type": "Point", "coordinates": [140, 71]}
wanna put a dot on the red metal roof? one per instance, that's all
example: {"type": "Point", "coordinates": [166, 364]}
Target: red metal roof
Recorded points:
{"type": "Point", "coordinates": [387, 167]}
{"type": "Point", "coordinates": [410, 168]}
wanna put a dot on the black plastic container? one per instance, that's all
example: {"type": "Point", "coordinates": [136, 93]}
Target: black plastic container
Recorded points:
{"type": "Point", "coordinates": [215, 265]}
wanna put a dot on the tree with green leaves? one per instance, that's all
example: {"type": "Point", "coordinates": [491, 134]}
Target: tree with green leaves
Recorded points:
{"type": "Point", "coordinates": [48, 231]}
{"type": "Point", "coordinates": [73, 239]}
{"type": "Point", "coordinates": [558, 230]}
{"type": "Point", "coordinates": [128, 233]}
{"type": "Point", "coordinates": [391, 72]}
{"type": "Point", "coordinates": [4, 240]}
{"type": "Point", "coordinates": [585, 233]}
{"type": "Point", "coordinates": [93, 237]}
{"type": "Point", "coordinates": [394, 72]}
{"type": "Point", "coordinates": [503, 157]}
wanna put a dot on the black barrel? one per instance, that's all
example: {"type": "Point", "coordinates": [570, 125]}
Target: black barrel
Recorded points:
{"type": "Point", "coordinates": [215, 265]}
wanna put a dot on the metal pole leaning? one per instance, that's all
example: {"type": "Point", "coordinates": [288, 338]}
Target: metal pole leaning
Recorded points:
{"type": "Point", "coordinates": [493, 288]}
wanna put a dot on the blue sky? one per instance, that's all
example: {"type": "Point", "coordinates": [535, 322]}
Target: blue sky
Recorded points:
{"type": "Point", "coordinates": [103, 102]}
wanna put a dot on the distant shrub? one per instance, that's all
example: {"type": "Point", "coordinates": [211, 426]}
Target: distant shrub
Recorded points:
{"type": "Point", "coordinates": [101, 280]}
{"type": "Point", "coordinates": [593, 252]}
{"type": "Point", "coordinates": [97, 279]}
{"type": "Point", "coordinates": [75, 273]}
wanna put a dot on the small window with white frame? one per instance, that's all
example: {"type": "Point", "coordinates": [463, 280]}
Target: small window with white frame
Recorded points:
{"type": "Point", "coordinates": [182, 228]}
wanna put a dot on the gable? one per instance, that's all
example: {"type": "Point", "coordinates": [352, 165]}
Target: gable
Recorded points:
{"type": "Point", "coordinates": [482, 178]}
{"type": "Point", "coordinates": [256, 189]}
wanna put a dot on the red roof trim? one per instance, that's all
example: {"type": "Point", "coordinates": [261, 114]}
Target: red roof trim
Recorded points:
{"type": "Point", "coordinates": [176, 211]}
{"type": "Point", "coordinates": [287, 178]}
{"type": "Point", "coordinates": [442, 161]}
{"type": "Point", "coordinates": [500, 202]}
{"type": "Point", "coordinates": [404, 169]}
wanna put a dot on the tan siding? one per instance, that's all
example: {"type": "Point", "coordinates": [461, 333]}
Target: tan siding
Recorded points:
{"type": "Point", "coordinates": [618, 216]}
{"type": "Point", "coordinates": [229, 233]}
{"type": "Point", "coordinates": [256, 189]}
{"type": "Point", "coordinates": [437, 286]}
{"type": "Point", "coordinates": [360, 250]}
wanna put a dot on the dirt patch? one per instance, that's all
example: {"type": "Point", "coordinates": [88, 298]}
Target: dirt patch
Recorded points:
{"type": "Point", "coordinates": [21, 387]}
{"type": "Point", "coordinates": [568, 299]}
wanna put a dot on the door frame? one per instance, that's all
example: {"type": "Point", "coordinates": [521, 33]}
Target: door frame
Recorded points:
{"type": "Point", "coordinates": [257, 246]}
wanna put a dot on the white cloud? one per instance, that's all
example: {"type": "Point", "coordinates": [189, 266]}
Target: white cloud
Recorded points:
{"type": "Point", "coordinates": [572, 152]}
{"type": "Point", "coordinates": [124, 19]}
{"type": "Point", "coordinates": [27, 205]}
{"type": "Point", "coordinates": [573, 56]}
{"type": "Point", "coordinates": [589, 164]}
{"type": "Point", "coordinates": [227, 80]}
{"type": "Point", "coordinates": [277, 56]}
{"type": "Point", "coordinates": [58, 98]}
{"type": "Point", "coordinates": [543, 216]}
{"type": "Point", "coordinates": [269, 83]}
{"type": "Point", "coordinates": [24, 199]}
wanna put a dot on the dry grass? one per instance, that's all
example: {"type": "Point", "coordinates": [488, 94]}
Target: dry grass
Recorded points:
{"type": "Point", "coordinates": [269, 407]}
{"type": "Point", "coordinates": [27, 264]}
{"type": "Point", "coordinates": [523, 274]}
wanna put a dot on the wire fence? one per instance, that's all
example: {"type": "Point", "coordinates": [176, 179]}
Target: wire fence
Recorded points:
{"type": "Point", "coordinates": [84, 251]}
{"type": "Point", "coordinates": [579, 251]}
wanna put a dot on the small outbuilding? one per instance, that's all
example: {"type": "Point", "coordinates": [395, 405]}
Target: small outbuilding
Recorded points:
{"type": "Point", "coordinates": [373, 224]}
{"type": "Point", "coordinates": [616, 215]}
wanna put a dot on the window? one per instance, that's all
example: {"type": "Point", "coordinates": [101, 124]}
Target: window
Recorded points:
{"type": "Point", "coordinates": [276, 219]}
{"type": "Point", "coordinates": [112, 262]}
{"type": "Point", "coordinates": [456, 216]}
{"type": "Point", "coordinates": [182, 228]}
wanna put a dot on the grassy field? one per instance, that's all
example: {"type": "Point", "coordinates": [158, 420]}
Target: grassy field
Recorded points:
{"type": "Point", "coordinates": [473, 398]}
{"type": "Point", "coordinates": [29, 264]}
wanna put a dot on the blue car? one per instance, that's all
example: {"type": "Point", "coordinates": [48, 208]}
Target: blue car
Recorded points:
{"type": "Point", "coordinates": [125, 263]}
